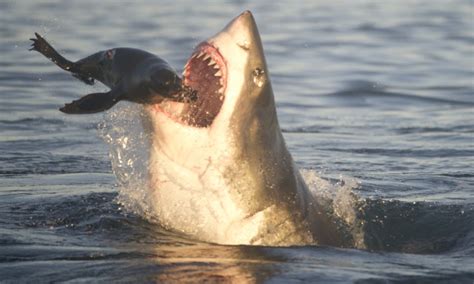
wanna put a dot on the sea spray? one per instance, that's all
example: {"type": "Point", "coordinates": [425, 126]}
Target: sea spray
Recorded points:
{"type": "Point", "coordinates": [341, 201]}
{"type": "Point", "coordinates": [128, 144]}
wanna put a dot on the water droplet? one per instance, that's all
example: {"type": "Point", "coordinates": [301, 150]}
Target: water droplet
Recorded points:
{"type": "Point", "coordinates": [259, 77]}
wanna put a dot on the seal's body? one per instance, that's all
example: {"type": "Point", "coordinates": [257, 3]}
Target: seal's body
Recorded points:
{"type": "Point", "coordinates": [131, 74]}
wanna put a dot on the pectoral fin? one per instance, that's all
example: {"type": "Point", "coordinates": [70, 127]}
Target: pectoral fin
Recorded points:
{"type": "Point", "coordinates": [92, 103]}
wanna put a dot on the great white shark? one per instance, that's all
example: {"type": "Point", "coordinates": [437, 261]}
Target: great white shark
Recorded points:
{"type": "Point", "coordinates": [219, 169]}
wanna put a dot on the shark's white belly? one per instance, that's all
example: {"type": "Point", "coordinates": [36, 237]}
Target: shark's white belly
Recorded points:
{"type": "Point", "coordinates": [197, 201]}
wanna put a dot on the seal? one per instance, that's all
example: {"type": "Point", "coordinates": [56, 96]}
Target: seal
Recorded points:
{"type": "Point", "coordinates": [131, 74]}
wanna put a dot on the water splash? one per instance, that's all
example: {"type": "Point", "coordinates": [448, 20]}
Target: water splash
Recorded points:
{"type": "Point", "coordinates": [128, 143]}
{"type": "Point", "coordinates": [343, 204]}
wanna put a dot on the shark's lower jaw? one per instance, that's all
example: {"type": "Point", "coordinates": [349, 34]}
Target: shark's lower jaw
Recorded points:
{"type": "Point", "coordinates": [205, 72]}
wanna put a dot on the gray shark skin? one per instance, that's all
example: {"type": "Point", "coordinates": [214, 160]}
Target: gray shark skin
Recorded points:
{"type": "Point", "coordinates": [228, 177]}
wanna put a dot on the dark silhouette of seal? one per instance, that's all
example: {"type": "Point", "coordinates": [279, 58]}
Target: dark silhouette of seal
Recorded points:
{"type": "Point", "coordinates": [131, 74]}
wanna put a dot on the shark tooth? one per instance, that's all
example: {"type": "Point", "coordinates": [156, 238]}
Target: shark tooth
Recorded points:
{"type": "Point", "coordinates": [211, 62]}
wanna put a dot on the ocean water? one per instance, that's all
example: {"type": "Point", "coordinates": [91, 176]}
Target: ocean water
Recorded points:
{"type": "Point", "coordinates": [375, 99]}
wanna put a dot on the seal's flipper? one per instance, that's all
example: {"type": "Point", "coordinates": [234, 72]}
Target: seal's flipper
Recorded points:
{"type": "Point", "coordinates": [91, 103]}
{"type": "Point", "coordinates": [42, 46]}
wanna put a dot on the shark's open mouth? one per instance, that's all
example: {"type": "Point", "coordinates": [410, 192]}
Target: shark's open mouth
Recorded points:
{"type": "Point", "coordinates": [205, 72]}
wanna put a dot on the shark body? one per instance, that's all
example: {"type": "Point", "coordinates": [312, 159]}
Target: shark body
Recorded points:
{"type": "Point", "coordinates": [219, 169]}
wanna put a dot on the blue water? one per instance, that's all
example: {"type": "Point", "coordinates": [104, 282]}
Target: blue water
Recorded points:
{"type": "Point", "coordinates": [374, 97]}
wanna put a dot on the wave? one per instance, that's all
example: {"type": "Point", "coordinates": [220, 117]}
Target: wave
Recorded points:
{"type": "Point", "coordinates": [394, 225]}
{"type": "Point", "coordinates": [420, 130]}
{"type": "Point", "coordinates": [356, 91]}
{"type": "Point", "coordinates": [20, 163]}
{"type": "Point", "coordinates": [417, 227]}
{"type": "Point", "coordinates": [428, 153]}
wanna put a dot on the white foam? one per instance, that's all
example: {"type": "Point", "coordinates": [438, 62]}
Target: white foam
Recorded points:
{"type": "Point", "coordinates": [128, 143]}
{"type": "Point", "coordinates": [342, 200]}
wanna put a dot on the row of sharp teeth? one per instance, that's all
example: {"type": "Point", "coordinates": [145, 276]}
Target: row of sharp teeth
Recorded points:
{"type": "Point", "coordinates": [211, 63]}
